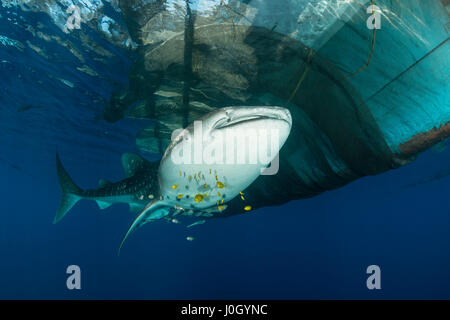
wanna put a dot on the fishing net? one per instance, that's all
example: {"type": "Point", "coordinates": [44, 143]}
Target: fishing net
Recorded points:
{"type": "Point", "coordinates": [363, 100]}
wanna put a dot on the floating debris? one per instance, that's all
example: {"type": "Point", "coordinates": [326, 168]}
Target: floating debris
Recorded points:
{"type": "Point", "coordinates": [176, 221]}
{"type": "Point", "coordinates": [189, 238]}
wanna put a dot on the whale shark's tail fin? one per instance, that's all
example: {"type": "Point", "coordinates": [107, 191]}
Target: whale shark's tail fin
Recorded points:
{"type": "Point", "coordinates": [155, 210]}
{"type": "Point", "coordinates": [70, 191]}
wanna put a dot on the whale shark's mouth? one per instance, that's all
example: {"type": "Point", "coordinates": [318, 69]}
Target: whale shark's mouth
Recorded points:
{"type": "Point", "coordinates": [236, 116]}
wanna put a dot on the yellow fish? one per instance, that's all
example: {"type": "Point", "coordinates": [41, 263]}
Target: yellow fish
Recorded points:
{"type": "Point", "coordinates": [179, 196]}
{"type": "Point", "coordinates": [221, 208]}
{"type": "Point", "coordinates": [247, 208]}
{"type": "Point", "coordinates": [174, 186]}
{"type": "Point", "coordinates": [199, 197]}
{"type": "Point", "coordinates": [220, 185]}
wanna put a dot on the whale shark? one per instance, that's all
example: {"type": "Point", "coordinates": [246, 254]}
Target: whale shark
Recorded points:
{"type": "Point", "coordinates": [206, 165]}
{"type": "Point", "coordinates": [206, 184]}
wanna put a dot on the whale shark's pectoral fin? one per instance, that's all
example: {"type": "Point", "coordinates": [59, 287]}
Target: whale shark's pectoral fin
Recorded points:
{"type": "Point", "coordinates": [155, 210]}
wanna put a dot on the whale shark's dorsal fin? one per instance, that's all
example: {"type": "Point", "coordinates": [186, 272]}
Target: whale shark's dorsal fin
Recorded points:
{"type": "Point", "coordinates": [155, 210]}
{"type": "Point", "coordinates": [133, 163]}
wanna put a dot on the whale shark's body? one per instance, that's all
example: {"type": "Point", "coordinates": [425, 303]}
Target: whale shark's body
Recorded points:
{"type": "Point", "coordinates": [190, 184]}
{"type": "Point", "coordinates": [137, 189]}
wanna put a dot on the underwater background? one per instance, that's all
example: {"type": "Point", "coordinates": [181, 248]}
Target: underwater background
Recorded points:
{"type": "Point", "coordinates": [54, 86]}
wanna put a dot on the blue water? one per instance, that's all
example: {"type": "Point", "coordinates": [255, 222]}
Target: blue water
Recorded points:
{"type": "Point", "coordinates": [313, 249]}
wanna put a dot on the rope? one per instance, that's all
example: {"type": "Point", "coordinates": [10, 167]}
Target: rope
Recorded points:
{"type": "Point", "coordinates": [308, 65]}
{"type": "Point", "coordinates": [374, 35]}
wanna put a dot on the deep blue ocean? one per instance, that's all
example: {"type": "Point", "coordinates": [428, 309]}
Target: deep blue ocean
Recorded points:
{"type": "Point", "coordinates": [317, 248]}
